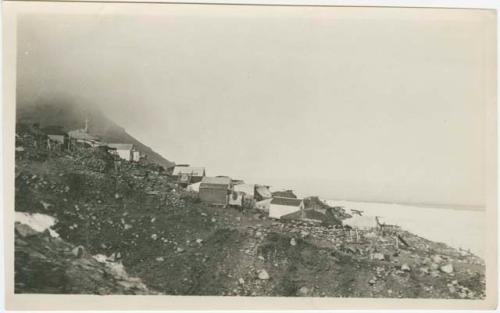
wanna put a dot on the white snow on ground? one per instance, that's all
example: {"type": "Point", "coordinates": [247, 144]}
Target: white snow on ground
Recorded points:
{"type": "Point", "coordinates": [457, 228]}
{"type": "Point", "coordinates": [38, 222]}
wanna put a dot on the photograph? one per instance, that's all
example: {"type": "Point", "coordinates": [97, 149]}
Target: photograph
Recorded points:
{"type": "Point", "coordinates": [251, 151]}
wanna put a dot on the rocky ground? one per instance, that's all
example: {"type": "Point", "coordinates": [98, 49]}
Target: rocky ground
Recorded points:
{"type": "Point", "coordinates": [170, 243]}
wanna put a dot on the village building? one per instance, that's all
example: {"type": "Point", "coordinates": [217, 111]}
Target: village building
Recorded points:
{"type": "Point", "coordinates": [247, 189]}
{"type": "Point", "coordinates": [236, 198]}
{"type": "Point", "coordinates": [80, 136]}
{"type": "Point", "coordinates": [194, 187]}
{"type": "Point", "coordinates": [215, 190]}
{"type": "Point", "coordinates": [281, 206]}
{"type": "Point", "coordinates": [56, 134]}
{"type": "Point", "coordinates": [187, 175]}
{"type": "Point", "coordinates": [123, 150]}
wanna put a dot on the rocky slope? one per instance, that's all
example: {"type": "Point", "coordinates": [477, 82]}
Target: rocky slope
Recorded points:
{"type": "Point", "coordinates": [133, 214]}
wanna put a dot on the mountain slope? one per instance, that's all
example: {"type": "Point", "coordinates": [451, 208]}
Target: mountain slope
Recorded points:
{"type": "Point", "coordinates": [72, 117]}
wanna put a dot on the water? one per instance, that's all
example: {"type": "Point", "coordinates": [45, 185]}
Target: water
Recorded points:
{"type": "Point", "coordinates": [457, 228]}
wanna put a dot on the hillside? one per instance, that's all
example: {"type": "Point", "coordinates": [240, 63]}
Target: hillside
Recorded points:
{"type": "Point", "coordinates": [72, 117]}
{"type": "Point", "coordinates": [176, 245]}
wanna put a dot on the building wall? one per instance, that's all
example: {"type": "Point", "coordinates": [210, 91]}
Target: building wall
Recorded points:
{"type": "Point", "coordinates": [213, 196]}
{"type": "Point", "coordinates": [125, 154]}
{"type": "Point", "coordinates": [277, 211]}
{"type": "Point", "coordinates": [58, 138]}
{"type": "Point", "coordinates": [136, 156]}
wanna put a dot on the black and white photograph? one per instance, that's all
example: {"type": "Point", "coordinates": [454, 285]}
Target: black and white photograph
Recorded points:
{"type": "Point", "coordinates": [253, 151]}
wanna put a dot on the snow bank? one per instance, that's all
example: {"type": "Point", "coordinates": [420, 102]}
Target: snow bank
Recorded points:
{"type": "Point", "coordinates": [38, 222]}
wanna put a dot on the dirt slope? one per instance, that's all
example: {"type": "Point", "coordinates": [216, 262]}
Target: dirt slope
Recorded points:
{"type": "Point", "coordinates": [177, 245]}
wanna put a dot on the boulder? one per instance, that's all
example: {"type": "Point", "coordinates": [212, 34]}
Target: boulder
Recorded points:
{"type": "Point", "coordinates": [378, 256]}
{"type": "Point", "coordinates": [263, 275]}
{"type": "Point", "coordinates": [24, 230]}
{"type": "Point", "coordinates": [303, 291]}
{"type": "Point", "coordinates": [448, 268]}
{"type": "Point", "coordinates": [78, 251]}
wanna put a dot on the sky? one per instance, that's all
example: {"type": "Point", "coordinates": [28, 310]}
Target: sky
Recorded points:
{"type": "Point", "coordinates": [358, 104]}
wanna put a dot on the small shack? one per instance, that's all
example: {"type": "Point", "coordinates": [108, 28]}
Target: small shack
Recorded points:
{"type": "Point", "coordinates": [215, 190]}
{"type": "Point", "coordinates": [56, 134]}
{"type": "Point", "coordinates": [281, 206]}
{"type": "Point", "coordinates": [123, 150]}
{"type": "Point", "coordinates": [247, 189]}
{"type": "Point", "coordinates": [187, 175]}
{"type": "Point", "coordinates": [81, 136]}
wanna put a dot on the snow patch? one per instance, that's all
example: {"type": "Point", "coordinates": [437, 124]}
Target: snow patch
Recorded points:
{"type": "Point", "coordinates": [38, 222]}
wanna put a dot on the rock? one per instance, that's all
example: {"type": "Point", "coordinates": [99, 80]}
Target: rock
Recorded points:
{"type": "Point", "coordinates": [45, 204]}
{"type": "Point", "coordinates": [241, 281]}
{"type": "Point", "coordinates": [154, 236]}
{"type": "Point", "coordinates": [24, 230]}
{"type": "Point", "coordinates": [160, 259]}
{"type": "Point", "coordinates": [199, 241]}
{"type": "Point", "coordinates": [213, 220]}
{"type": "Point", "coordinates": [260, 257]}
{"type": "Point", "coordinates": [258, 234]}
{"type": "Point", "coordinates": [180, 250]}
{"type": "Point", "coordinates": [378, 256]}
{"type": "Point", "coordinates": [434, 266]}
{"type": "Point", "coordinates": [448, 268]}
{"type": "Point", "coordinates": [405, 267]}
{"type": "Point", "coordinates": [293, 242]}
{"type": "Point", "coordinates": [303, 291]}
{"type": "Point", "coordinates": [263, 275]}
{"type": "Point", "coordinates": [437, 258]}
{"type": "Point", "coordinates": [78, 251]}
{"type": "Point", "coordinates": [304, 234]}
{"type": "Point", "coordinates": [372, 281]}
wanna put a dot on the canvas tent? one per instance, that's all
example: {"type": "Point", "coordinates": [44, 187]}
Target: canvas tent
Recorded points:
{"type": "Point", "coordinates": [281, 206]}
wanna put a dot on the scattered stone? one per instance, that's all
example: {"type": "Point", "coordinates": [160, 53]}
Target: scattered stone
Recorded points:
{"type": "Point", "coordinates": [378, 256]}
{"type": "Point", "coordinates": [241, 281]}
{"type": "Point", "coordinates": [154, 236]}
{"type": "Point", "coordinates": [303, 291]}
{"type": "Point", "coordinates": [260, 257]}
{"type": "Point", "coordinates": [199, 241]}
{"type": "Point", "coordinates": [160, 259]}
{"type": "Point", "coordinates": [45, 204]}
{"type": "Point", "coordinates": [437, 258]}
{"type": "Point", "coordinates": [405, 267]}
{"type": "Point", "coordinates": [263, 275]}
{"type": "Point", "coordinates": [24, 230]}
{"type": "Point", "coordinates": [293, 242]}
{"type": "Point", "coordinates": [448, 268]}
{"type": "Point", "coordinates": [78, 251]}
{"type": "Point", "coordinates": [179, 250]}
{"type": "Point", "coordinates": [372, 281]}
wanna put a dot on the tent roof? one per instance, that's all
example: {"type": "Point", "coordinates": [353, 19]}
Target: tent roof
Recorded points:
{"type": "Point", "coordinates": [191, 170]}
